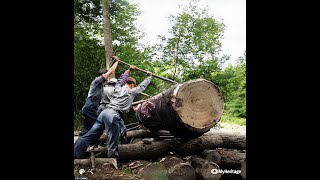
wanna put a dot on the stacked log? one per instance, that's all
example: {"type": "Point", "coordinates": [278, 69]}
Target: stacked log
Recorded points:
{"type": "Point", "coordinates": [184, 159]}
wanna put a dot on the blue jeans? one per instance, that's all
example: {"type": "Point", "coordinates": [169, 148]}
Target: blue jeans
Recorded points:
{"type": "Point", "coordinates": [90, 116]}
{"type": "Point", "coordinates": [108, 120]}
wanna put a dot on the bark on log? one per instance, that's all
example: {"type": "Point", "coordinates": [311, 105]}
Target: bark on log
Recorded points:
{"type": "Point", "coordinates": [186, 147]}
{"type": "Point", "coordinates": [138, 134]}
{"type": "Point", "coordinates": [211, 141]}
{"type": "Point", "coordinates": [130, 134]}
{"type": "Point", "coordinates": [100, 161]}
{"type": "Point", "coordinates": [203, 168]}
{"type": "Point", "coordinates": [187, 110]}
{"type": "Point", "coordinates": [143, 151]}
{"type": "Point", "coordinates": [135, 141]}
{"type": "Point", "coordinates": [141, 133]}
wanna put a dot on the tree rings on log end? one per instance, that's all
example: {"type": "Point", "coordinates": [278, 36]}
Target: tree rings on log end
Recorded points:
{"type": "Point", "coordinates": [198, 103]}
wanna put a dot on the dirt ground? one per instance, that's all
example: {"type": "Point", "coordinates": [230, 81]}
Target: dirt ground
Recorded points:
{"type": "Point", "coordinates": [104, 172]}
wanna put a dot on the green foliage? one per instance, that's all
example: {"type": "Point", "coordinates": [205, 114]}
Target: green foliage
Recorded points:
{"type": "Point", "coordinates": [89, 53]}
{"type": "Point", "coordinates": [87, 10]}
{"type": "Point", "coordinates": [189, 52]}
{"type": "Point", "coordinates": [192, 47]}
{"type": "Point", "coordinates": [76, 173]}
{"type": "Point", "coordinates": [126, 170]}
{"type": "Point", "coordinates": [226, 118]}
{"type": "Point", "coordinates": [232, 83]}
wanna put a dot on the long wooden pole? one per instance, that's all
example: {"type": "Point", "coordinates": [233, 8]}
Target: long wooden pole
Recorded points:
{"type": "Point", "coordinates": [154, 75]}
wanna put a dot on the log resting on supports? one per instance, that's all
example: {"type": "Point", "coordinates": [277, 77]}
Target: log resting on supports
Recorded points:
{"type": "Point", "coordinates": [187, 110]}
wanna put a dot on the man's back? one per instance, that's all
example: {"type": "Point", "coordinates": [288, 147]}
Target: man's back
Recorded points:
{"type": "Point", "coordinates": [123, 96]}
{"type": "Point", "coordinates": [107, 93]}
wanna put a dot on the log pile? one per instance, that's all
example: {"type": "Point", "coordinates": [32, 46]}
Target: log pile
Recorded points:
{"type": "Point", "coordinates": [174, 143]}
{"type": "Point", "coordinates": [178, 158]}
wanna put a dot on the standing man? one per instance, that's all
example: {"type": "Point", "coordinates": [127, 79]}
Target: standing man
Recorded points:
{"type": "Point", "coordinates": [89, 110]}
{"type": "Point", "coordinates": [110, 118]}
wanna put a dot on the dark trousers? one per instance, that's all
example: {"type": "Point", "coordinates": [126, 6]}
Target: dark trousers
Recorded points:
{"type": "Point", "coordinates": [90, 116]}
{"type": "Point", "coordinates": [108, 120]}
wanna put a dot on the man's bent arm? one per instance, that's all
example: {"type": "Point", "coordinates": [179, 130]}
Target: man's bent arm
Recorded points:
{"type": "Point", "coordinates": [141, 87]}
{"type": "Point", "coordinates": [123, 77]}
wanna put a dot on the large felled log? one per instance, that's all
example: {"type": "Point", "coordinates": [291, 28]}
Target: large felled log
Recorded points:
{"type": "Point", "coordinates": [186, 110]}
{"type": "Point", "coordinates": [186, 147]}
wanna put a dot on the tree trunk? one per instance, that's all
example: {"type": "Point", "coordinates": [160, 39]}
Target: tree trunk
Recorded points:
{"type": "Point", "coordinates": [187, 110]}
{"type": "Point", "coordinates": [203, 168]}
{"type": "Point", "coordinates": [107, 33]}
{"type": "Point", "coordinates": [186, 147]}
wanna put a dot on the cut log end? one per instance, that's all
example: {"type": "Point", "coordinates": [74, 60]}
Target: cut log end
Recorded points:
{"type": "Point", "coordinates": [198, 99]}
{"type": "Point", "coordinates": [204, 168]}
{"type": "Point", "coordinates": [153, 171]}
{"type": "Point", "coordinates": [182, 171]}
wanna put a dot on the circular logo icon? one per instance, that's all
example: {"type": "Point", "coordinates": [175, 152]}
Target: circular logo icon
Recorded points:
{"type": "Point", "coordinates": [81, 171]}
{"type": "Point", "coordinates": [214, 171]}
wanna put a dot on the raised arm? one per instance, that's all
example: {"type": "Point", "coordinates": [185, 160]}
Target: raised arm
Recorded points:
{"type": "Point", "coordinates": [123, 77]}
{"type": "Point", "coordinates": [143, 85]}
{"type": "Point", "coordinates": [112, 69]}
